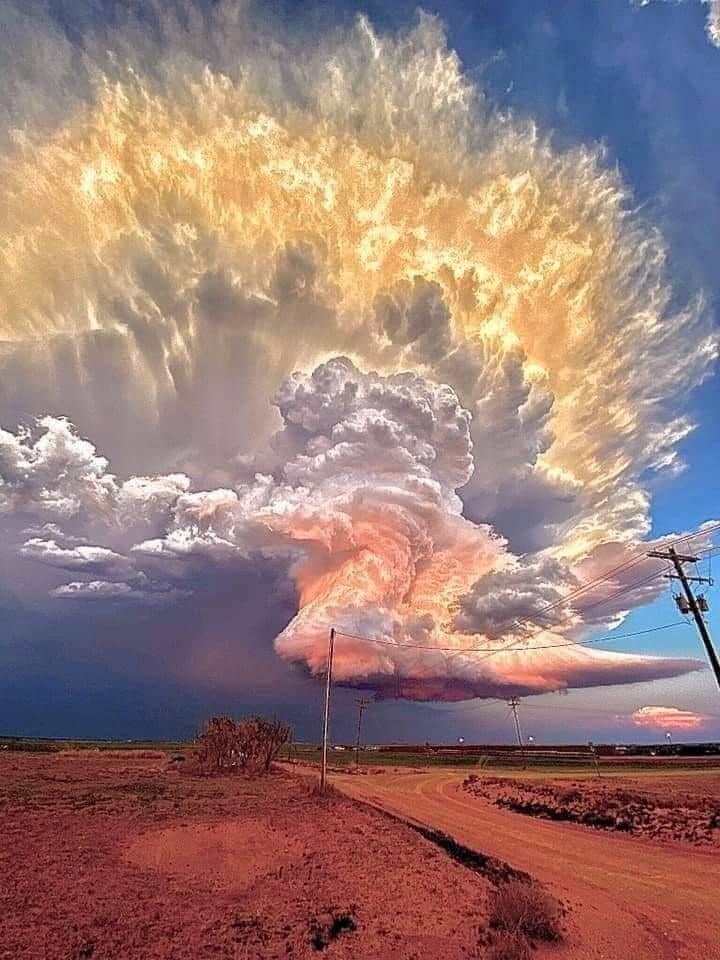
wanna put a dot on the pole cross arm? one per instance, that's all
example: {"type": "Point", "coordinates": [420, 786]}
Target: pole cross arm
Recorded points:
{"type": "Point", "coordinates": [670, 554]}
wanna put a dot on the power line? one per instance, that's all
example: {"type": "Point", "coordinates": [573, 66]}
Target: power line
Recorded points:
{"type": "Point", "coordinates": [552, 646]}
{"type": "Point", "coordinates": [521, 647]}
{"type": "Point", "coordinates": [621, 568]}
{"type": "Point", "coordinates": [628, 588]}
{"type": "Point", "coordinates": [493, 651]}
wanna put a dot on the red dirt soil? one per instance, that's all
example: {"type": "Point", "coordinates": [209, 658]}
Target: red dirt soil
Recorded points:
{"type": "Point", "coordinates": [126, 857]}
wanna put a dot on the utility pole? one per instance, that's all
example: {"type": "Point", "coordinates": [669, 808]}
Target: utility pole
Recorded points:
{"type": "Point", "coordinates": [326, 714]}
{"type": "Point", "coordinates": [677, 560]}
{"type": "Point", "coordinates": [514, 703]}
{"type": "Point", "coordinates": [362, 704]}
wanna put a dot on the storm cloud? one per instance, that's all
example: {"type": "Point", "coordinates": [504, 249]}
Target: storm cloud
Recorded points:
{"type": "Point", "coordinates": [324, 308]}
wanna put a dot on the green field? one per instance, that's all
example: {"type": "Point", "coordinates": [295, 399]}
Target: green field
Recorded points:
{"type": "Point", "coordinates": [535, 763]}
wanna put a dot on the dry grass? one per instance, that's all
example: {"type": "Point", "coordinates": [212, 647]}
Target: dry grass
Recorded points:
{"type": "Point", "coordinates": [82, 753]}
{"type": "Point", "coordinates": [510, 945]}
{"type": "Point", "coordinates": [522, 913]}
{"type": "Point", "coordinates": [527, 908]}
{"type": "Point", "coordinates": [330, 792]}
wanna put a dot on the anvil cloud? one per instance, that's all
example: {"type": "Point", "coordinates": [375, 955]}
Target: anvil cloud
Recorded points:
{"type": "Point", "coordinates": [668, 718]}
{"type": "Point", "coordinates": [322, 304]}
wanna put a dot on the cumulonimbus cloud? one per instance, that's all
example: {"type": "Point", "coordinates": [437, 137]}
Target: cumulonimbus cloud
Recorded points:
{"type": "Point", "coordinates": [668, 718]}
{"type": "Point", "coordinates": [363, 506]}
{"type": "Point", "coordinates": [325, 304]}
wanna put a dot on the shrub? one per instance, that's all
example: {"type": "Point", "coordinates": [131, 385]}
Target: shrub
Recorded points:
{"type": "Point", "coordinates": [249, 745]}
{"type": "Point", "coordinates": [525, 908]}
{"type": "Point", "coordinates": [511, 945]}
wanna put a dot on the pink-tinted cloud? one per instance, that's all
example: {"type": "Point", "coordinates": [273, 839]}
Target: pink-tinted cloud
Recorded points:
{"type": "Point", "coordinates": [668, 718]}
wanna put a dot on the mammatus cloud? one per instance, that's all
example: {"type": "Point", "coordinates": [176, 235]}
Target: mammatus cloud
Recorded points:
{"type": "Point", "coordinates": [668, 718]}
{"type": "Point", "coordinates": [324, 305]}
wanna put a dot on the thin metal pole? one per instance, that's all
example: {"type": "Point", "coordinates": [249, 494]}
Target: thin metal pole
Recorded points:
{"type": "Point", "coordinates": [326, 713]}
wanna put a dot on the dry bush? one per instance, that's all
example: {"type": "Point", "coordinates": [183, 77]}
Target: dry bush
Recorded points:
{"type": "Point", "coordinates": [526, 909]}
{"type": "Point", "coordinates": [510, 945]}
{"type": "Point", "coordinates": [248, 745]}
{"type": "Point", "coordinates": [330, 792]}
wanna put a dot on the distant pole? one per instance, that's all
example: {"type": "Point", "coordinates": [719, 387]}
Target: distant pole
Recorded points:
{"type": "Point", "coordinates": [326, 713]}
{"type": "Point", "coordinates": [677, 561]}
{"type": "Point", "coordinates": [514, 703]}
{"type": "Point", "coordinates": [362, 704]}
{"type": "Point", "coordinates": [593, 754]}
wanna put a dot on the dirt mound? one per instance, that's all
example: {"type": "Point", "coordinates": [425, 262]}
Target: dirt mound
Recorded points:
{"type": "Point", "coordinates": [229, 855]}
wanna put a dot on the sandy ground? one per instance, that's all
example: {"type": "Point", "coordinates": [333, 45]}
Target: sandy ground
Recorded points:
{"type": "Point", "coordinates": [677, 807]}
{"type": "Point", "coordinates": [632, 898]}
{"type": "Point", "coordinates": [123, 857]}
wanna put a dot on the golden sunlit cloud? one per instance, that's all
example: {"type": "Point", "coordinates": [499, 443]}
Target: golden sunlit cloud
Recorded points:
{"type": "Point", "coordinates": [204, 259]}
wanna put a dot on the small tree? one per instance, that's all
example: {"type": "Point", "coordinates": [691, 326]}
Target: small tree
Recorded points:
{"type": "Point", "coordinates": [274, 735]}
{"type": "Point", "coordinates": [217, 744]}
{"type": "Point", "coordinates": [249, 745]}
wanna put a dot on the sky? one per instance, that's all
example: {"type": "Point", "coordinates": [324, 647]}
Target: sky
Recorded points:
{"type": "Point", "coordinates": [403, 322]}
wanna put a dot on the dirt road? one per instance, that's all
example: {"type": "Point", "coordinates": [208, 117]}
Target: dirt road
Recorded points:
{"type": "Point", "coordinates": [631, 899]}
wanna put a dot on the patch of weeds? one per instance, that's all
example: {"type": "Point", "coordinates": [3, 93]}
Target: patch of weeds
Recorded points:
{"type": "Point", "coordinates": [147, 789]}
{"type": "Point", "coordinates": [18, 791]}
{"type": "Point", "coordinates": [495, 870]}
{"type": "Point", "coordinates": [84, 950]}
{"type": "Point", "coordinates": [329, 793]}
{"type": "Point", "coordinates": [338, 923]}
{"type": "Point", "coordinates": [527, 908]}
{"type": "Point", "coordinates": [522, 913]}
{"type": "Point", "coordinates": [510, 945]}
{"type": "Point", "coordinates": [248, 928]}
{"type": "Point", "coordinates": [89, 799]}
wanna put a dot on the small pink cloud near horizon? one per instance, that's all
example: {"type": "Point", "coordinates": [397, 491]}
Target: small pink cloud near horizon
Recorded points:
{"type": "Point", "coordinates": [668, 718]}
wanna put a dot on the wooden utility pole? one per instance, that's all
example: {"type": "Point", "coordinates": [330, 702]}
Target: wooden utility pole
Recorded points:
{"type": "Point", "coordinates": [677, 560]}
{"type": "Point", "coordinates": [362, 704]}
{"type": "Point", "coordinates": [514, 703]}
{"type": "Point", "coordinates": [326, 713]}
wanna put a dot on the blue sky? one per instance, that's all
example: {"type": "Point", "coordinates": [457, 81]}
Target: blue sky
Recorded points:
{"type": "Point", "coordinates": [645, 82]}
